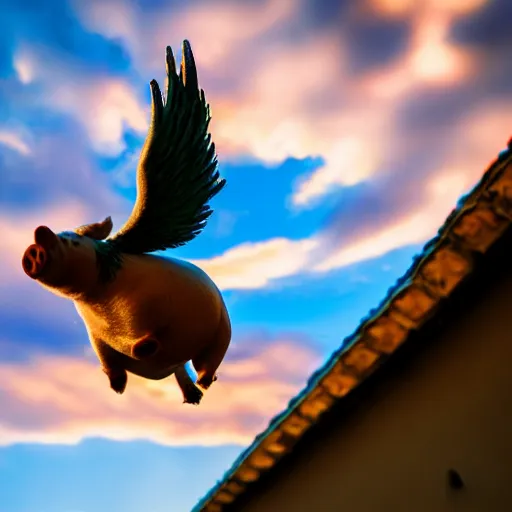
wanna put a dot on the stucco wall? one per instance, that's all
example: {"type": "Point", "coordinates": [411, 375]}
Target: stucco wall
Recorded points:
{"type": "Point", "coordinates": [452, 408]}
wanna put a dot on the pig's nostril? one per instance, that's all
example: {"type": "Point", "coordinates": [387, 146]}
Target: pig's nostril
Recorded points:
{"type": "Point", "coordinates": [33, 252]}
{"type": "Point", "coordinates": [27, 263]}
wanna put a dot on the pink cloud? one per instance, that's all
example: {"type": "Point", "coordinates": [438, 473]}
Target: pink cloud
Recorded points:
{"type": "Point", "coordinates": [275, 97]}
{"type": "Point", "coordinates": [217, 29]}
{"type": "Point", "coordinates": [403, 8]}
{"type": "Point", "coordinates": [57, 399]}
{"type": "Point", "coordinates": [484, 131]}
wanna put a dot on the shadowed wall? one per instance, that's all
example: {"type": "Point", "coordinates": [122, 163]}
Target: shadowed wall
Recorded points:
{"type": "Point", "coordinates": [450, 406]}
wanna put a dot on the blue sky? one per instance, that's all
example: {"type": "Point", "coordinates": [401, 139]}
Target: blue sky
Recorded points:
{"type": "Point", "coordinates": [346, 132]}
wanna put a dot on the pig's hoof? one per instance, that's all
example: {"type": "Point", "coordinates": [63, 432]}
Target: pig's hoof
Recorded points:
{"type": "Point", "coordinates": [34, 260]}
{"type": "Point", "coordinates": [117, 381]}
{"type": "Point", "coordinates": [205, 381]}
{"type": "Point", "coordinates": [145, 348]}
{"type": "Point", "coordinates": [192, 395]}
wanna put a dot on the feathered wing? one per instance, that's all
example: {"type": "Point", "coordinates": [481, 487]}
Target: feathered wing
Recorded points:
{"type": "Point", "coordinates": [177, 173]}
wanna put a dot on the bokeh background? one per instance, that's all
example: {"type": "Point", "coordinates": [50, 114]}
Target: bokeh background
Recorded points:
{"type": "Point", "coordinates": [346, 130]}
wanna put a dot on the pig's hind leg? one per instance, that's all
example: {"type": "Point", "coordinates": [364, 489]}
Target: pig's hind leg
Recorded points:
{"type": "Point", "coordinates": [191, 393]}
{"type": "Point", "coordinates": [207, 362]}
{"type": "Point", "coordinates": [117, 378]}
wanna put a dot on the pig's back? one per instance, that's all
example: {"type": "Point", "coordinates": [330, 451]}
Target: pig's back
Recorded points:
{"type": "Point", "coordinates": [181, 276]}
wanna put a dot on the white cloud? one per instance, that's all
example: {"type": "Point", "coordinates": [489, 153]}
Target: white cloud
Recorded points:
{"type": "Point", "coordinates": [105, 106]}
{"type": "Point", "coordinates": [255, 265]}
{"type": "Point", "coordinates": [23, 68]}
{"type": "Point", "coordinates": [348, 162]}
{"type": "Point", "coordinates": [14, 141]}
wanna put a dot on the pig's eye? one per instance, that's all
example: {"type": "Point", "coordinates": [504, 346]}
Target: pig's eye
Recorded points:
{"type": "Point", "coordinates": [65, 241]}
{"type": "Point", "coordinates": [75, 243]}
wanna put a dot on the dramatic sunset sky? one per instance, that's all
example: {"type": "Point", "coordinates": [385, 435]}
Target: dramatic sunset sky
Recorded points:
{"type": "Point", "coordinates": [346, 130]}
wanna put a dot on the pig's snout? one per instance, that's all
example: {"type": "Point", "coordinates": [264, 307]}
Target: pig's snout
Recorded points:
{"type": "Point", "coordinates": [34, 260]}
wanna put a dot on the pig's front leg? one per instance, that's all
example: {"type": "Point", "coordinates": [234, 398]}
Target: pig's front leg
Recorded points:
{"type": "Point", "coordinates": [109, 359]}
{"type": "Point", "coordinates": [191, 393]}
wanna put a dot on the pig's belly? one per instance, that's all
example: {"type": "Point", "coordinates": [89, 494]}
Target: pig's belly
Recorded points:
{"type": "Point", "coordinates": [148, 370]}
{"type": "Point", "coordinates": [173, 303]}
{"type": "Point", "coordinates": [182, 328]}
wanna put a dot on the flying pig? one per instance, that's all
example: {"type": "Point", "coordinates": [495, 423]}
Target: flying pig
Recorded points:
{"type": "Point", "coordinates": [147, 314]}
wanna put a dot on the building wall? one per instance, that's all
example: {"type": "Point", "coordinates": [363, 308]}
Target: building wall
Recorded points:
{"type": "Point", "coordinates": [452, 408]}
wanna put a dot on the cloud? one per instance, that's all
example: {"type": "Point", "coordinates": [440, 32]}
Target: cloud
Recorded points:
{"type": "Point", "coordinates": [61, 171]}
{"type": "Point", "coordinates": [216, 29]}
{"type": "Point", "coordinates": [431, 61]}
{"type": "Point", "coordinates": [262, 111]}
{"type": "Point", "coordinates": [413, 228]}
{"type": "Point", "coordinates": [281, 88]}
{"type": "Point", "coordinates": [62, 400]}
{"type": "Point", "coordinates": [24, 68]}
{"type": "Point", "coordinates": [273, 116]}
{"type": "Point", "coordinates": [14, 141]}
{"type": "Point", "coordinates": [255, 265]}
{"type": "Point", "coordinates": [418, 201]}
{"type": "Point", "coordinates": [406, 206]}
{"type": "Point", "coordinates": [106, 106]}
{"type": "Point", "coordinates": [348, 153]}
{"type": "Point", "coordinates": [114, 20]}
{"type": "Point", "coordinates": [405, 8]}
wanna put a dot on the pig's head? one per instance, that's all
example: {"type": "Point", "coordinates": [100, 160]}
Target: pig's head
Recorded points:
{"type": "Point", "coordinates": [66, 262]}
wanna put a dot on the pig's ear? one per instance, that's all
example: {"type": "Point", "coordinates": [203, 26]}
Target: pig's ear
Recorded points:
{"type": "Point", "coordinates": [97, 231]}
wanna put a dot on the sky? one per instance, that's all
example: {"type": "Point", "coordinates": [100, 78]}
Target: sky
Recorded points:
{"type": "Point", "coordinates": [346, 131]}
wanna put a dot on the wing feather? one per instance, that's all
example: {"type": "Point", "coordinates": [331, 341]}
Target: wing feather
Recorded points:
{"type": "Point", "coordinates": [177, 173]}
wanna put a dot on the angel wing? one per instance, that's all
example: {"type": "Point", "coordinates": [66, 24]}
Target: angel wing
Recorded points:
{"type": "Point", "coordinates": [177, 172]}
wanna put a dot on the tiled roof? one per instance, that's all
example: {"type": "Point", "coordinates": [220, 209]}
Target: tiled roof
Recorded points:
{"type": "Point", "coordinates": [480, 219]}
